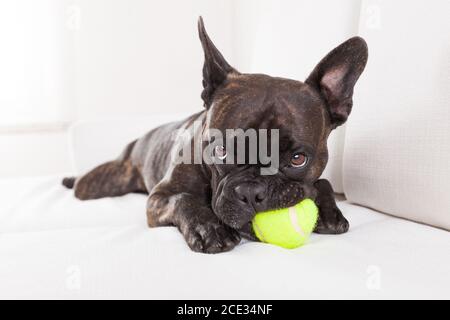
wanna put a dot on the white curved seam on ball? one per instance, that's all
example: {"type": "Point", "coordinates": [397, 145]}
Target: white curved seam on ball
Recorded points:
{"type": "Point", "coordinates": [294, 221]}
{"type": "Point", "coordinates": [259, 231]}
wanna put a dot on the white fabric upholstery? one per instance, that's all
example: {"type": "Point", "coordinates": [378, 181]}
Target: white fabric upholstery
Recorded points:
{"type": "Point", "coordinates": [54, 246]}
{"type": "Point", "coordinates": [333, 170]}
{"type": "Point", "coordinates": [96, 141]}
{"type": "Point", "coordinates": [397, 148]}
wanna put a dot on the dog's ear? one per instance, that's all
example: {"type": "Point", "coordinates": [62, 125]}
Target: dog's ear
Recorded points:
{"type": "Point", "coordinates": [335, 76]}
{"type": "Point", "coordinates": [215, 68]}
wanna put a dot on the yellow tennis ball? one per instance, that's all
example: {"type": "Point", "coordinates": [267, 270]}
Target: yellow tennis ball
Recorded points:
{"type": "Point", "coordinates": [288, 228]}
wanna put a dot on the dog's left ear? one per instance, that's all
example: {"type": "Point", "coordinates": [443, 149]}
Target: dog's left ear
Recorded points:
{"type": "Point", "coordinates": [335, 76]}
{"type": "Point", "coordinates": [215, 69]}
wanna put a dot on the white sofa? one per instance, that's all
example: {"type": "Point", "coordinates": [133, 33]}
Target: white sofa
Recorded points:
{"type": "Point", "coordinates": [393, 158]}
{"type": "Point", "coordinates": [54, 246]}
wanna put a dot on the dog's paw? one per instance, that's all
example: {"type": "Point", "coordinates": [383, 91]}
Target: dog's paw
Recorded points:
{"type": "Point", "coordinates": [211, 237]}
{"type": "Point", "coordinates": [332, 222]}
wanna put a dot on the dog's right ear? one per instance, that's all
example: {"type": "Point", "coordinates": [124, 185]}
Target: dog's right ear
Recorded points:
{"type": "Point", "coordinates": [336, 75]}
{"type": "Point", "coordinates": [215, 69]}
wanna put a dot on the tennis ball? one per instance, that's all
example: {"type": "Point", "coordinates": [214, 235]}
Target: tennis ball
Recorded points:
{"type": "Point", "coordinates": [288, 228]}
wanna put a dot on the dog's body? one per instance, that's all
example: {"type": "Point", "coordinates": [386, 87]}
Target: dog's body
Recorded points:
{"type": "Point", "coordinates": [212, 204]}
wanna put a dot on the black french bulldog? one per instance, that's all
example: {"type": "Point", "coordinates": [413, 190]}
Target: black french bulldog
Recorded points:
{"type": "Point", "coordinates": [213, 204]}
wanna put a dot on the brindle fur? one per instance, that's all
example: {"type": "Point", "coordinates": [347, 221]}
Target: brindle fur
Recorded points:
{"type": "Point", "coordinates": [202, 200]}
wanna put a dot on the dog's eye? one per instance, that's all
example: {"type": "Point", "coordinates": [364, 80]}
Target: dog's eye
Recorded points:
{"type": "Point", "coordinates": [299, 160]}
{"type": "Point", "coordinates": [220, 152]}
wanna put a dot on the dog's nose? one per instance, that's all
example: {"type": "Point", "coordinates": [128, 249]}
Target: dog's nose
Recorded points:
{"type": "Point", "coordinates": [252, 194]}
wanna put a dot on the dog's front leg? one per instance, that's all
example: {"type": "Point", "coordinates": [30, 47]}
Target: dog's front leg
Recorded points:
{"type": "Point", "coordinates": [331, 220]}
{"type": "Point", "coordinates": [202, 230]}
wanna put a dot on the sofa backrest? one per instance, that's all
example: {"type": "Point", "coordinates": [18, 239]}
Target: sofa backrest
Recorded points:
{"type": "Point", "coordinates": [96, 141]}
{"type": "Point", "coordinates": [397, 147]}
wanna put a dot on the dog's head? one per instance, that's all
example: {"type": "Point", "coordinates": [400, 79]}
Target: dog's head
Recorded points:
{"type": "Point", "coordinates": [304, 113]}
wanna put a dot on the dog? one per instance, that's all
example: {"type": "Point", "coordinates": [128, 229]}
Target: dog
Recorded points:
{"type": "Point", "coordinates": [212, 204]}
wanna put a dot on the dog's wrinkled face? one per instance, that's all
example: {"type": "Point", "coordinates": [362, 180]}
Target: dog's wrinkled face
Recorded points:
{"type": "Point", "coordinates": [303, 113]}
{"type": "Point", "coordinates": [263, 102]}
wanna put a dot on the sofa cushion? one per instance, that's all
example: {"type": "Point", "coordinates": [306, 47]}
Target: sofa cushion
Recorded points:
{"type": "Point", "coordinates": [397, 148]}
{"type": "Point", "coordinates": [56, 247]}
